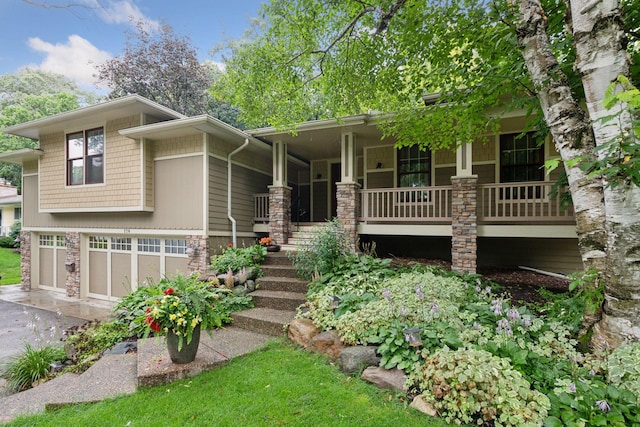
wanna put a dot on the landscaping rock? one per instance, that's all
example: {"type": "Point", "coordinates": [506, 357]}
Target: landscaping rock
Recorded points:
{"type": "Point", "coordinates": [393, 379]}
{"type": "Point", "coordinates": [240, 290]}
{"type": "Point", "coordinates": [354, 359]}
{"type": "Point", "coordinates": [251, 285]}
{"type": "Point", "coordinates": [419, 403]}
{"type": "Point", "coordinates": [327, 343]}
{"type": "Point", "coordinates": [301, 331]}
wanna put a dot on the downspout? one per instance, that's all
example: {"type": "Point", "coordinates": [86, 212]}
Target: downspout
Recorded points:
{"type": "Point", "coordinates": [231, 218]}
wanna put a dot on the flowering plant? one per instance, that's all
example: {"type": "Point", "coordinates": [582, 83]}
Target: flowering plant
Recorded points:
{"type": "Point", "coordinates": [265, 241]}
{"type": "Point", "coordinates": [181, 304]}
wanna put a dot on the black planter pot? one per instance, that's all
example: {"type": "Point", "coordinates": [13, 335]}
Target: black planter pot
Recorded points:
{"type": "Point", "coordinates": [187, 353]}
{"type": "Point", "coordinates": [273, 248]}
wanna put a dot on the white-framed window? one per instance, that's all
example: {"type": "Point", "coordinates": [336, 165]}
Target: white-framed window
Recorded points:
{"type": "Point", "coordinates": [175, 246]}
{"type": "Point", "coordinates": [98, 242]}
{"type": "Point", "coordinates": [121, 244]}
{"type": "Point", "coordinates": [46, 240]}
{"type": "Point", "coordinates": [17, 214]}
{"type": "Point", "coordinates": [85, 157]}
{"type": "Point", "coordinates": [149, 245]}
{"type": "Point", "coordinates": [61, 241]}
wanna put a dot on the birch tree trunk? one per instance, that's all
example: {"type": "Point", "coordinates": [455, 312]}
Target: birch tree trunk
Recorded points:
{"type": "Point", "coordinates": [570, 129]}
{"type": "Point", "coordinates": [598, 37]}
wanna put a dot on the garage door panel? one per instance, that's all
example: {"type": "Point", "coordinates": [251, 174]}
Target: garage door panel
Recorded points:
{"type": "Point", "coordinates": [46, 266]}
{"type": "Point", "coordinates": [174, 265]}
{"type": "Point", "coordinates": [98, 273]}
{"type": "Point", "coordinates": [120, 274]}
{"type": "Point", "coordinates": [61, 271]}
{"type": "Point", "coordinates": [148, 269]}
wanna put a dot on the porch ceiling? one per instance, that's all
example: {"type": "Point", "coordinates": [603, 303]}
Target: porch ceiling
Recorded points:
{"type": "Point", "coordinates": [321, 139]}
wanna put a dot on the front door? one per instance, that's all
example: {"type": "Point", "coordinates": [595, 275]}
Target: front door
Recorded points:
{"type": "Point", "coordinates": [336, 173]}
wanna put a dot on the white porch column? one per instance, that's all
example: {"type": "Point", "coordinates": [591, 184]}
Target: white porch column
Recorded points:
{"type": "Point", "coordinates": [464, 160]}
{"type": "Point", "coordinates": [348, 158]}
{"type": "Point", "coordinates": [279, 164]}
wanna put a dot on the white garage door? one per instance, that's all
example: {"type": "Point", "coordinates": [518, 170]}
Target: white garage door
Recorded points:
{"type": "Point", "coordinates": [52, 254]}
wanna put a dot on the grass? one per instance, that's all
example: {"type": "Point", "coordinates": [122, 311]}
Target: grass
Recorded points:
{"type": "Point", "coordinates": [278, 385]}
{"type": "Point", "coordinates": [9, 266]}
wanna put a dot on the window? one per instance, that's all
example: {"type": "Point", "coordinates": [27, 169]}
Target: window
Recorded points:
{"type": "Point", "coordinates": [175, 246]}
{"type": "Point", "coordinates": [98, 242]}
{"type": "Point", "coordinates": [61, 241]}
{"type": "Point", "coordinates": [46, 240]}
{"type": "Point", "coordinates": [17, 214]}
{"type": "Point", "coordinates": [85, 157]}
{"type": "Point", "coordinates": [414, 167]}
{"type": "Point", "coordinates": [121, 243]}
{"type": "Point", "coordinates": [149, 245]}
{"type": "Point", "coordinates": [521, 158]}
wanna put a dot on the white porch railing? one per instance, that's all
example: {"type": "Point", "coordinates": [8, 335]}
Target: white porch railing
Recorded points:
{"type": "Point", "coordinates": [261, 207]}
{"type": "Point", "coordinates": [425, 204]}
{"type": "Point", "coordinates": [520, 202]}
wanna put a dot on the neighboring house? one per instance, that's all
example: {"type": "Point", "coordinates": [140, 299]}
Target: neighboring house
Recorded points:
{"type": "Point", "coordinates": [127, 190]}
{"type": "Point", "coordinates": [10, 207]}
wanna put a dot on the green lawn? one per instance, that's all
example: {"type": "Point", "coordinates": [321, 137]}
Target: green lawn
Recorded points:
{"type": "Point", "coordinates": [9, 266]}
{"type": "Point", "coordinates": [279, 385]}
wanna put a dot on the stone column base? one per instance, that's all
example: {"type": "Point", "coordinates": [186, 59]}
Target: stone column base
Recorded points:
{"type": "Point", "coordinates": [464, 223]}
{"type": "Point", "coordinates": [348, 210]}
{"type": "Point", "coordinates": [25, 260]}
{"type": "Point", "coordinates": [279, 213]}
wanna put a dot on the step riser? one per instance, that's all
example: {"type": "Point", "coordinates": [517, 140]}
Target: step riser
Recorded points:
{"type": "Point", "coordinates": [261, 326]}
{"type": "Point", "coordinates": [278, 271]}
{"type": "Point", "coordinates": [279, 258]}
{"type": "Point", "coordinates": [272, 284]}
{"type": "Point", "coordinates": [277, 303]}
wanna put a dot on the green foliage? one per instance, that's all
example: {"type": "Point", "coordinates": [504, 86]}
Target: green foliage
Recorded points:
{"type": "Point", "coordinates": [591, 402]}
{"type": "Point", "coordinates": [89, 344]}
{"type": "Point", "coordinates": [623, 368]}
{"type": "Point", "coordinates": [352, 265]}
{"type": "Point", "coordinates": [132, 307]}
{"type": "Point", "coordinates": [15, 230]}
{"type": "Point", "coordinates": [10, 266]}
{"type": "Point", "coordinates": [235, 259]}
{"type": "Point", "coordinates": [590, 288]}
{"type": "Point", "coordinates": [473, 386]}
{"type": "Point", "coordinates": [7, 242]}
{"type": "Point", "coordinates": [618, 159]}
{"type": "Point", "coordinates": [326, 249]}
{"type": "Point", "coordinates": [32, 365]}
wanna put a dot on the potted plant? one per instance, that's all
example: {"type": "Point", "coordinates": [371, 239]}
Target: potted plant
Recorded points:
{"type": "Point", "coordinates": [182, 306]}
{"type": "Point", "coordinates": [270, 244]}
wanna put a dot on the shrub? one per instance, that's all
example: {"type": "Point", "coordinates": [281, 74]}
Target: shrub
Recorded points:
{"type": "Point", "coordinates": [235, 259]}
{"type": "Point", "coordinates": [34, 364]}
{"type": "Point", "coordinates": [473, 386]}
{"type": "Point", "coordinates": [88, 345]}
{"type": "Point", "coordinates": [7, 242]}
{"type": "Point", "coordinates": [14, 232]}
{"type": "Point", "coordinates": [323, 252]}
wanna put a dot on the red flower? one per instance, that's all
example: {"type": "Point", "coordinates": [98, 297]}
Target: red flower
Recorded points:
{"type": "Point", "coordinates": [148, 310]}
{"type": "Point", "coordinates": [153, 325]}
{"type": "Point", "coordinates": [229, 245]}
{"type": "Point", "coordinates": [169, 291]}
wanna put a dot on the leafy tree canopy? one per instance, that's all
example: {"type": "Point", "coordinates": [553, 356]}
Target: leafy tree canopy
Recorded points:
{"type": "Point", "coordinates": [322, 59]}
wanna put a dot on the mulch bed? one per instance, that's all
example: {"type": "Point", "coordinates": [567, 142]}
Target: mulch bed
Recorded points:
{"type": "Point", "coordinates": [523, 285]}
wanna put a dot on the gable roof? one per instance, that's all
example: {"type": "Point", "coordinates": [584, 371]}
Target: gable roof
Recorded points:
{"type": "Point", "coordinates": [127, 105]}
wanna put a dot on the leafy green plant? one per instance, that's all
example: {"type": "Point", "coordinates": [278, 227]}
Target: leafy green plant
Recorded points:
{"type": "Point", "coordinates": [623, 368]}
{"type": "Point", "coordinates": [7, 242]}
{"type": "Point", "coordinates": [235, 259]}
{"type": "Point", "coordinates": [32, 365]}
{"type": "Point", "coordinates": [473, 386]}
{"type": "Point", "coordinates": [14, 233]}
{"type": "Point", "coordinates": [87, 346]}
{"type": "Point", "coordinates": [394, 349]}
{"type": "Point", "coordinates": [323, 252]}
{"type": "Point", "coordinates": [593, 403]}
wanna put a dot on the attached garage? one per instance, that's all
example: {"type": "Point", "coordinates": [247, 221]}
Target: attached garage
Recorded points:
{"type": "Point", "coordinates": [119, 264]}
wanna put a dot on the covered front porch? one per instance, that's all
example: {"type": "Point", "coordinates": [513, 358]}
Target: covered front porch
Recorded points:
{"type": "Point", "coordinates": [348, 170]}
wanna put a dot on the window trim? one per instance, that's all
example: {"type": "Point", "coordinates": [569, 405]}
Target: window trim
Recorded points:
{"type": "Point", "coordinates": [85, 158]}
{"type": "Point", "coordinates": [501, 168]}
{"type": "Point", "coordinates": [426, 170]}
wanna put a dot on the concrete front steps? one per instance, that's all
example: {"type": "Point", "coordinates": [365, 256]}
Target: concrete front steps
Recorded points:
{"type": "Point", "coordinates": [279, 292]}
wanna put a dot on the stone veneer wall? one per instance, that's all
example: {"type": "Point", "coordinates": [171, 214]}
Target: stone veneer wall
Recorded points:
{"type": "Point", "coordinates": [464, 223]}
{"type": "Point", "coordinates": [73, 257]}
{"type": "Point", "coordinates": [25, 260]}
{"type": "Point", "coordinates": [348, 210]}
{"type": "Point", "coordinates": [279, 213]}
{"type": "Point", "coordinates": [199, 257]}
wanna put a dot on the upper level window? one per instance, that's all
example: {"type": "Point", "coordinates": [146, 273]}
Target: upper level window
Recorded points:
{"type": "Point", "coordinates": [521, 158]}
{"type": "Point", "coordinates": [414, 167]}
{"type": "Point", "coordinates": [85, 157]}
{"type": "Point", "coordinates": [17, 214]}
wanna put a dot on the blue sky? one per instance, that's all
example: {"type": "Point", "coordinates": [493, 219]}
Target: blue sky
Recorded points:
{"type": "Point", "coordinates": [69, 40]}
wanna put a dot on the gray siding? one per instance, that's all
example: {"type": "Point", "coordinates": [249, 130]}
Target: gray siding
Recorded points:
{"type": "Point", "coordinates": [556, 255]}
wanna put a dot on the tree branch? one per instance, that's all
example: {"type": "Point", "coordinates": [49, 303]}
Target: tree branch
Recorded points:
{"type": "Point", "coordinates": [386, 17]}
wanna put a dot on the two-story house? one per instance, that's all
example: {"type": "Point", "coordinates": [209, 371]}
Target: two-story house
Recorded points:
{"type": "Point", "coordinates": [128, 190]}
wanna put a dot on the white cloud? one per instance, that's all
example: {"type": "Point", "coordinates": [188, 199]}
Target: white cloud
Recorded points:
{"type": "Point", "coordinates": [75, 59]}
{"type": "Point", "coordinates": [121, 11]}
